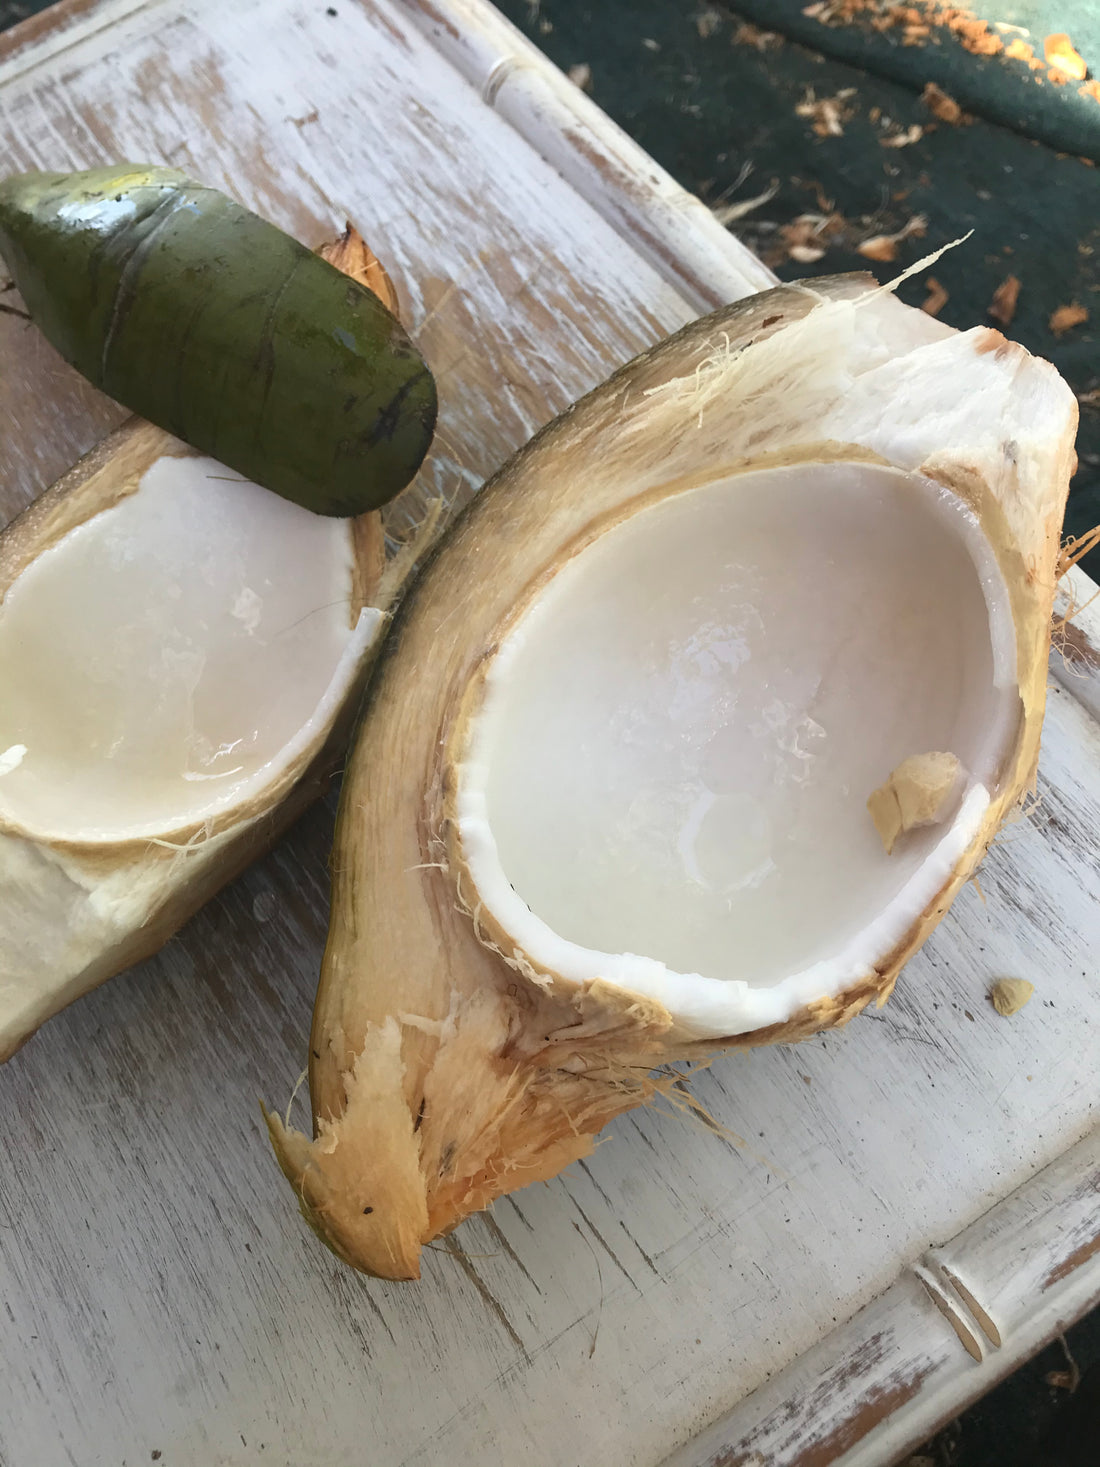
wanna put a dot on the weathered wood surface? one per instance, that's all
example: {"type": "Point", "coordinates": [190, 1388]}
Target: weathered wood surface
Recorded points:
{"type": "Point", "coordinates": [158, 1290]}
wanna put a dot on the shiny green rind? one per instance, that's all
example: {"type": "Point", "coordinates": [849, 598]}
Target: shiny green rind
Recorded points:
{"type": "Point", "coordinates": [217, 326]}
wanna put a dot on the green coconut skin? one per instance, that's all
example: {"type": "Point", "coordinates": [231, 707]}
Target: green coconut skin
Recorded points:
{"type": "Point", "coordinates": [221, 329]}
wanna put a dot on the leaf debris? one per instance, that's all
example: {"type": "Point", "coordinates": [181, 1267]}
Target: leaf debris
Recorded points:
{"type": "Point", "coordinates": [707, 22]}
{"type": "Point", "coordinates": [828, 113]}
{"type": "Point", "coordinates": [1065, 318]}
{"type": "Point", "coordinates": [904, 139]}
{"type": "Point", "coordinates": [1003, 305]}
{"type": "Point", "coordinates": [936, 298]}
{"type": "Point", "coordinates": [943, 106]}
{"type": "Point", "coordinates": [885, 246]}
{"type": "Point", "coordinates": [1062, 56]}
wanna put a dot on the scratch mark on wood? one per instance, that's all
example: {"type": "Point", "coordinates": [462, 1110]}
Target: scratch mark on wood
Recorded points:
{"type": "Point", "coordinates": [491, 1301]}
{"type": "Point", "coordinates": [587, 1170]}
{"type": "Point", "coordinates": [604, 1244]}
{"type": "Point", "coordinates": [649, 1261]}
{"type": "Point", "coordinates": [376, 1310]}
{"type": "Point", "coordinates": [514, 1205]}
{"type": "Point", "coordinates": [633, 1120]}
{"type": "Point", "coordinates": [498, 1233]}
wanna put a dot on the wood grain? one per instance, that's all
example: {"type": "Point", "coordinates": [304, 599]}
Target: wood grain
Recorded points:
{"type": "Point", "coordinates": [159, 1293]}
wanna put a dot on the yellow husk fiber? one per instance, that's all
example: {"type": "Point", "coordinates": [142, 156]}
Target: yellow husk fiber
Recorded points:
{"type": "Point", "coordinates": [445, 1068]}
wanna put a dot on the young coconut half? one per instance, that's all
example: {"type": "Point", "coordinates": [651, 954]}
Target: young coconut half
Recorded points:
{"type": "Point", "coordinates": [687, 737]}
{"type": "Point", "coordinates": [181, 654]}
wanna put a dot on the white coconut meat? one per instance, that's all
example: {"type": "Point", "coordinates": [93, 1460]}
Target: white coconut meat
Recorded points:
{"type": "Point", "coordinates": [667, 783]}
{"type": "Point", "coordinates": [608, 803]}
{"type": "Point", "coordinates": [181, 654]}
{"type": "Point", "coordinates": [172, 655]}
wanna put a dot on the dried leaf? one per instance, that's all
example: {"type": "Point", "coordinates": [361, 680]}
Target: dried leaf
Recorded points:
{"type": "Point", "coordinates": [828, 113]}
{"type": "Point", "coordinates": [1061, 1380]}
{"type": "Point", "coordinates": [1062, 56]}
{"type": "Point", "coordinates": [916, 24]}
{"type": "Point", "coordinates": [1003, 305]}
{"type": "Point", "coordinates": [747, 34]}
{"type": "Point", "coordinates": [885, 246]}
{"type": "Point", "coordinates": [936, 299]}
{"type": "Point", "coordinates": [942, 106]}
{"type": "Point", "coordinates": [727, 213]}
{"type": "Point", "coordinates": [1065, 318]}
{"type": "Point", "coordinates": [1009, 995]}
{"type": "Point", "coordinates": [806, 238]}
{"type": "Point", "coordinates": [912, 134]}
{"type": "Point", "coordinates": [879, 247]}
{"type": "Point", "coordinates": [351, 255]}
{"type": "Point", "coordinates": [1018, 50]}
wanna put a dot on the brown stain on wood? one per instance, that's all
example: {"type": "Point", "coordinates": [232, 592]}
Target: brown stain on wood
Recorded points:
{"type": "Point", "coordinates": [29, 32]}
{"type": "Point", "coordinates": [1086, 1250]}
{"type": "Point", "coordinates": [379, 17]}
{"type": "Point", "coordinates": [1077, 1259]}
{"type": "Point", "coordinates": [440, 20]}
{"type": "Point", "coordinates": [783, 1435]}
{"type": "Point", "coordinates": [1076, 648]}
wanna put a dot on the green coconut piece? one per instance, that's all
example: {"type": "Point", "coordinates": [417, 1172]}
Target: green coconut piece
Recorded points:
{"type": "Point", "coordinates": [221, 329]}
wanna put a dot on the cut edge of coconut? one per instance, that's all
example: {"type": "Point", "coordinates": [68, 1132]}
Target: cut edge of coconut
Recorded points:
{"type": "Point", "coordinates": [702, 1005]}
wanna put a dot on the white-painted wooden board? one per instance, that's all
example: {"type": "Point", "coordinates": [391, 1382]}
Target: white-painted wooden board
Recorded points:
{"type": "Point", "coordinates": [788, 1297]}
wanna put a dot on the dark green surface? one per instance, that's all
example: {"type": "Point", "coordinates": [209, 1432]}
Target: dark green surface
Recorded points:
{"type": "Point", "coordinates": [13, 11]}
{"type": "Point", "coordinates": [213, 324]}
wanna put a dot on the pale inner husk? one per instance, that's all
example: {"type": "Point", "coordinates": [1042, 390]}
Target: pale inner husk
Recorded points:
{"type": "Point", "coordinates": [666, 783]}
{"type": "Point", "coordinates": [171, 655]}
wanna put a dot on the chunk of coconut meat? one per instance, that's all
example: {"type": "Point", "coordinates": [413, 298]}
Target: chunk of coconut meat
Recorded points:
{"type": "Point", "coordinates": [666, 782]}
{"type": "Point", "coordinates": [165, 660]}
